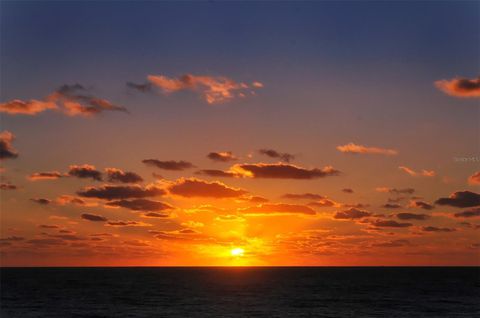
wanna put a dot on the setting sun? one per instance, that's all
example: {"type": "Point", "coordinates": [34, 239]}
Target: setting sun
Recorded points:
{"type": "Point", "coordinates": [237, 252]}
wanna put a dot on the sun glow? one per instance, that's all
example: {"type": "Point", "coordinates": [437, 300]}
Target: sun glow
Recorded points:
{"type": "Point", "coordinates": [237, 252]}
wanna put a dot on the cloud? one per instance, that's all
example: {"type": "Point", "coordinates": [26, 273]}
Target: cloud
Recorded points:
{"type": "Point", "coordinates": [225, 156]}
{"type": "Point", "coordinates": [144, 88]}
{"type": "Point", "coordinates": [41, 201]}
{"type": "Point", "coordinates": [394, 243]}
{"type": "Point", "coordinates": [359, 149]}
{"type": "Point", "coordinates": [437, 229]}
{"type": "Point", "coordinates": [323, 203]}
{"type": "Point", "coordinates": [169, 164]}
{"type": "Point", "coordinates": [468, 213]}
{"type": "Point", "coordinates": [395, 190]}
{"type": "Point", "coordinates": [412, 216]}
{"type": "Point", "coordinates": [424, 173]}
{"type": "Point", "coordinates": [351, 214]}
{"type": "Point", "coordinates": [6, 149]}
{"type": "Point", "coordinates": [460, 87]}
{"type": "Point", "coordinates": [72, 100]}
{"type": "Point", "coordinates": [474, 179]}
{"type": "Point", "coordinates": [7, 186]}
{"type": "Point", "coordinates": [218, 173]}
{"type": "Point", "coordinates": [347, 190]}
{"type": "Point", "coordinates": [127, 223]}
{"type": "Point", "coordinates": [155, 215]}
{"type": "Point", "coordinates": [198, 188]}
{"type": "Point", "coordinates": [306, 196]}
{"type": "Point", "coordinates": [213, 90]}
{"type": "Point", "coordinates": [461, 199]}
{"type": "Point", "coordinates": [47, 226]}
{"type": "Point", "coordinates": [85, 172]}
{"type": "Point", "coordinates": [141, 205]}
{"type": "Point", "coordinates": [110, 192]}
{"type": "Point", "coordinates": [68, 199]}
{"type": "Point", "coordinates": [279, 208]}
{"type": "Point", "coordinates": [93, 217]}
{"type": "Point", "coordinates": [278, 155]}
{"type": "Point", "coordinates": [391, 206]}
{"type": "Point", "coordinates": [117, 175]}
{"type": "Point", "coordinates": [282, 171]}
{"type": "Point", "coordinates": [421, 205]}
{"type": "Point", "coordinates": [389, 223]}
{"type": "Point", "coordinates": [49, 175]}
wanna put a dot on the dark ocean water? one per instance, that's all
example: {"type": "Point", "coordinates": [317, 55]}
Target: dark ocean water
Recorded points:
{"type": "Point", "coordinates": [240, 292]}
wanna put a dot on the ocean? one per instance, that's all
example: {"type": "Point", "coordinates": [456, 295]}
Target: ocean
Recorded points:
{"type": "Point", "coordinates": [241, 292]}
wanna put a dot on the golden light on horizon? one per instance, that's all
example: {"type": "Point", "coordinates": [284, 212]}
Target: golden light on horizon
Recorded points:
{"type": "Point", "coordinates": [237, 252]}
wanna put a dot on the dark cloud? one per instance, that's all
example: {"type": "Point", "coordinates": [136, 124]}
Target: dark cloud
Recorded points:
{"type": "Point", "coordinates": [225, 156]}
{"type": "Point", "coordinates": [49, 175]}
{"type": "Point", "coordinates": [389, 223]}
{"type": "Point", "coordinates": [461, 199]}
{"type": "Point", "coordinates": [46, 226]}
{"type": "Point", "coordinates": [397, 191]}
{"type": "Point", "coordinates": [117, 175]}
{"type": "Point", "coordinates": [306, 196]}
{"type": "Point", "coordinates": [169, 164]}
{"type": "Point", "coordinates": [347, 190]}
{"type": "Point", "coordinates": [85, 172]}
{"type": "Point", "coordinates": [155, 215]}
{"type": "Point", "coordinates": [93, 217]}
{"type": "Point", "coordinates": [277, 155]}
{"type": "Point", "coordinates": [12, 239]}
{"type": "Point", "coordinates": [460, 87]}
{"type": "Point", "coordinates": [437, 229]}
{"type": "Point", "coordinates": [41, 201]}
{"type": "Point", "coordinates": [7, 186]}
{"type": "Point", "coordinates": [144, 88]}
{"type": "Point", "coordinates": [198, 188]}
{"type": "Point", "coordinates": [394, 243]}
{"type": "Point", "coordinates": [110, 192]}
{"type": "Point", "coordinates": [421, 205]}
{"type": "Point", "coordinates": [412, 216]}
{"type": "Point", "coordinates": [279, 208]}
{"type": "Point", "coordinates": [141, 205]}
{"type": "Point", "coordinates": [351, 214]}
{"type": "Point", "coordinates": [282, 171]}
{"type": "Point", "coordinates": [468, 213]}
{"type": "Point", "coordinates": [356, 205]}
{"type": "Point", "coordinates": [217, 173]}
{"type": "Point", "coordinates": [127, 223]}
{"type": "Point", "coordinates": [391, 206]}
{"type": "Point", "coordinates": [6, 149]}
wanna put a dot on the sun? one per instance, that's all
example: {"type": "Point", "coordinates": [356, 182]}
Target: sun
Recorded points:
{"type": "Point", "coordinates": [237, 252]}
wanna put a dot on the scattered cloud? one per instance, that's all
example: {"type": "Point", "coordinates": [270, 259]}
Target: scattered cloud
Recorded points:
{"type": "Point", "coordinates": [117, 175]}
{"type": "Point", "coordinates": [395, 190]}
{"type": "Point", "coordinates": [6, 149]}
{"type": "Point", "coordinates": [111, 192]}
{"type": "Point", "coordinates": [424, 173]}
{"type": "Point", "coordinates": [324, 203]}
{"type": "Point", "coordinates": [85, 172]}
{"type": "Point", "coordinates": [169, 164]}
{"type": "Point", "coordinates": [437, 229]}
{"type": "Point", "coordinates": [49, 175]}
{"type": "Point", "coordinates": [359, 149]}
{"type": "Point", "coordinates": [460, 87]}
{"type": "Point", "coordinates": [421, 205]}
{"type": "Point", "coordinates": [93, 217]}
{"type": "Point", "coordinates": [141, 205]}
{"type": "Point", "coordinates": [41, 201]}
{"type": "Point", "coordinates": [218, 173]}
{"type": "Point", "coordinates": [212, 89]}
{"type": "Point", "coordinates": [7, 186]}
{"type": "Point", "coordinates": [391, 206]}
{"type": "Point", "coordinates": [461, 199]}
{"type": "Point", "coordinates": [127, 224]}
{"type": "Point", "coordinates": [224, 156]}
{"type": "Point", "coordinates": [412, 216]}
{"type": "Point", "coordinates": [389, 223]}
{"type": "Point", "coordinates": [394, 243]}
{"type": "Point", "coordinates": [474, 179]}
{"type": "Point", "coordinates": [282, 171]}
{"type": "Point", "coordinates": [351, 214]}
{"type": "Point", "coordinates": [347, 190]}
{"type": "Point", "coordinates": [475, 212]}
{"type": "Point", "coordinates": [193, 187]}
{"type": "Point", "coordinates": [277, 155]}
{"type": "Point", "coordinates": [305, 196]}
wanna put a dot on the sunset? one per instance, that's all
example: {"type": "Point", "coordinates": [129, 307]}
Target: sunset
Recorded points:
{"type": "Point", "coordinates": [249, 135]}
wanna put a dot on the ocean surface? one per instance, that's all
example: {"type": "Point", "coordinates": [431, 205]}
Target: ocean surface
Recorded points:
{"type": "Point", "coordinates": [241, 292]}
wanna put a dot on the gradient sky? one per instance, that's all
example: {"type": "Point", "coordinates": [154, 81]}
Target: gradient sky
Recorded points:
{"type": "Point", "coordinates": [398, 81]}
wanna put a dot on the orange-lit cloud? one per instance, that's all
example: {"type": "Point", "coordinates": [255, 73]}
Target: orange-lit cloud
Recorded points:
{"type": "Point", "coordinates": [212, 89]}
{"type": "Point", "coordinates": [413, 173]}
{"type": "Point", "coordinates": [218, 173]}
{"type": "Point", "coordinates": [117, 175]}
{"type": "Point", "coordinates": [7, 186]}
{"type": "Point", "coordinates": [127, 224]}
{"type": "Point", "coordinates": [282, 171]}
{"type": "Point", "coordinates": [72, 100]}
{"type": "Point", "coordinates": [48, 175]}
{"type": "Point", "coordinates": [421, 205]}
{"type": "Point", "coordinates": [193, 187]}
{"type": "Point", "coordinates": [304, 196]}
{"type": "Point", "coordinates": [359, 149]}
{"type": "Point", "coordinates": [6, 149]}
{"type": "Point", "coordinates": [460, 87]}
{"type": "Point", "coordinates": [223, 156]}
{"type": "Point", "coordinates": [277, 208]}
{"type": "Point", "coordinates": [85, 172]}
{"type": "Point", "coordinates": [141, 205]}
{"type": "Point", "coordinates": [474, 179]}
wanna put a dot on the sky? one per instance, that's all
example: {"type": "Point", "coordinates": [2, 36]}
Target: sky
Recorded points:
{"type": "Point", "coordinates": [239, 133]}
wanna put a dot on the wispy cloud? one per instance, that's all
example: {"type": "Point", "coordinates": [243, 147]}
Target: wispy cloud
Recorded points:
{"type": "Point", "coordinates": [284, 156]}
{"type": "Point", "coordinates": [359, 149]}
{"type": "Point", "coordinates": [413, 173]}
